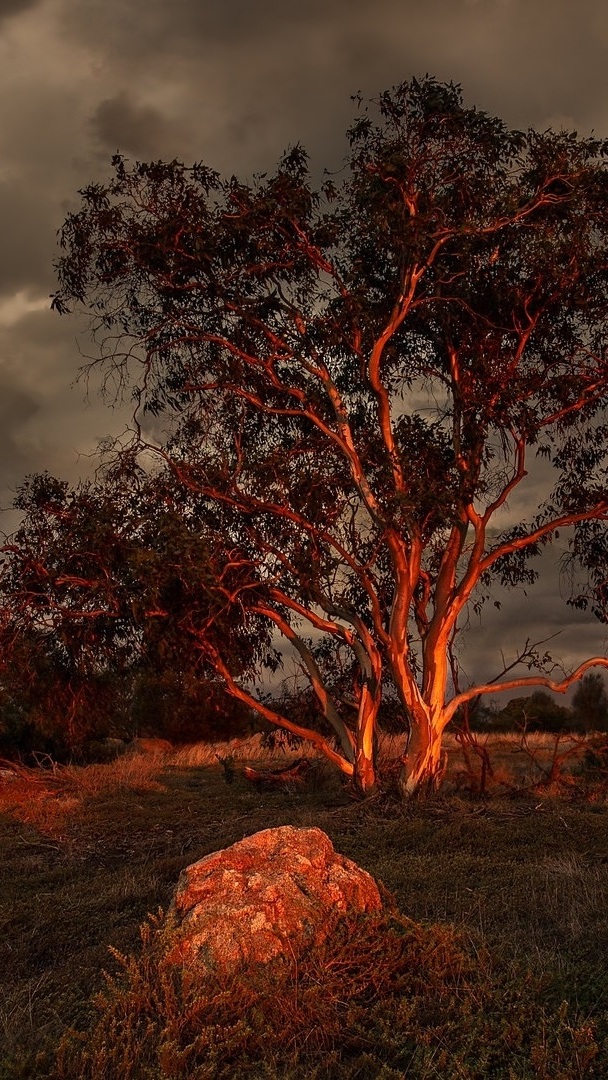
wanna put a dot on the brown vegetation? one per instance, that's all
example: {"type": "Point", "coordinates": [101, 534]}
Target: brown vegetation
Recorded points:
{"type": "Point", "coordinates": [504, 898]}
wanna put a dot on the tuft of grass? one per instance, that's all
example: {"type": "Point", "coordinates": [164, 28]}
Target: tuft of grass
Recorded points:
{"type": "Point", "coordinates": [244, 751]}
{"type": "Point", "coordinates": [136, 772]}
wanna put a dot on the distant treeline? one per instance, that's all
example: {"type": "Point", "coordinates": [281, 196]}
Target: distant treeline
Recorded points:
{"type": "Point", "coordinates": [541, 711]}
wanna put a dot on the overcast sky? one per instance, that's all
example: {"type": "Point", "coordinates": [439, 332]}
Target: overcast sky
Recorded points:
{"type": "Point", "coordinates": [232, 83]}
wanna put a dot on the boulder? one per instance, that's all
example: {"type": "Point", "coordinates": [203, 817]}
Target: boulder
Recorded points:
{"type": "Point", "coordinates": [273, 893]}
{"type": "Point", "coordinates": [151, 747]}
{"type": "Point", "coordinates": [113, 748]}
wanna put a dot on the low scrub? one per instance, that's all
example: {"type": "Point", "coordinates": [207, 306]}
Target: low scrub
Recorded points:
{"type": "Point", "coordinates": [383, 997]}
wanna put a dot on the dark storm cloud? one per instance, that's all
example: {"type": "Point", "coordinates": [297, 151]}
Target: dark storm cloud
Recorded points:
{"type": "Point", "coordinates": [156, 27]}
{"type": "Point", "coordinates": [530, 60]}
{"type": "Point", "coordinates": [28, 238]}
{"type": "Point", "coordinates": [119, 123]}
{"type": "Point", "coordinates": [17, 407]}
{"type": "Point", "coordinates": [47, 419]}
{"type": "Point", "coordinates": [538, 613]}
{"type": "Point", "coordinates": [15, 7]}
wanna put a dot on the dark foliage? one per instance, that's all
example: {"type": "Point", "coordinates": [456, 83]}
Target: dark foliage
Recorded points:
{"type": "Point", "coordinates": [537, 712]}
{"type": "Point", "coordinates": [590, 703]}
{"type": "Point", "coordinates": [110, 592]}
{"type": "Point", "coordinates": [352, 378]}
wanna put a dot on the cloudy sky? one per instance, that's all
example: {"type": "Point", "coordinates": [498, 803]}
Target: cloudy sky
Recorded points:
{"type": "Point", "coordinates": [232, 83]}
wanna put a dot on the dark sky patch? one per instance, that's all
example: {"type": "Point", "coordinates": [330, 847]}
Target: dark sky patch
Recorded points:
{"type": "Point", "coordinates": [15, 7]}
{"type": "Point", "coordinates": [28, 239]}
{"type": "Point", "coordinates": [17, 408]}
{"type": "Point", "coordinates": [118, 123]}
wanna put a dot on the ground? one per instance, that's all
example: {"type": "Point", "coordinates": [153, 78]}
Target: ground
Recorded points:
{"type": "Point", "coordinates": [86, 855]}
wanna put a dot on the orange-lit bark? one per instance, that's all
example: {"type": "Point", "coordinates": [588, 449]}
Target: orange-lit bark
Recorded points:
{"type": "Point", "coordinates": [425, 762]}
{"type": "Point", "coordinates": [365, 755]}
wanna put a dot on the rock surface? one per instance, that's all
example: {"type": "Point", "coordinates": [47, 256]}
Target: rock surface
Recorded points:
{"type": "Point", "coordinates": [272, 893]}
{"type": "Point", "coordinates": [150, 746]}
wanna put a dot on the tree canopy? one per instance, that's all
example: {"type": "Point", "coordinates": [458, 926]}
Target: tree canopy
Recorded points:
{"type": "Point", "coordinates": [351, 379]}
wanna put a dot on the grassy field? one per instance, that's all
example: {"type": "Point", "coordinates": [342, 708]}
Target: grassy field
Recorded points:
{"type": "Point", "coordinates": [494, 966]}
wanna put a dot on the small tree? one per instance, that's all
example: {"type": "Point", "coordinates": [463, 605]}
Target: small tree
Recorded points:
{"type": "Point", "coordinates": [536, 712]}
{"type": "Point", "coordinates": [354, 378]}
{"type": "Point", "coordinates": [47, 706]}
{"type": "Point", "coordinates": [590, 703]}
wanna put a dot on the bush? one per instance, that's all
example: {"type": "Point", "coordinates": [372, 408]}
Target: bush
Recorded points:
{"type": "Point", "coordinates": [590, 703]}
{"type": "Point", "coordinates": [537, 712]}
{"type": "Point", "coordinates": [186, 707]}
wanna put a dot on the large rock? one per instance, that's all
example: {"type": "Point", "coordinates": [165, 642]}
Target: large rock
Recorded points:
{"type": "Point", "coordinates": [272, 893]}
{"type": "Point", "coordinates": [150, 747]}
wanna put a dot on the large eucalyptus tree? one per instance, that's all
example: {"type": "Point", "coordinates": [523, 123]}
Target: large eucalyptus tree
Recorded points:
{"type": "Point", "coordinates": [353, 377]}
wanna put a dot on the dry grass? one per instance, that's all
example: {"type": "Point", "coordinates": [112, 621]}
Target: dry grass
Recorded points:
{"type": "Point", "coordinates": [45, 797]}
{"type": "Point", "coordinates": [522, 879]}
{"type": "Point", "coordinates": [517, 761]}
{"type": "Point", "coordinates": [245, 751]}
{"type": "Point", "coordinates": [507, 749]}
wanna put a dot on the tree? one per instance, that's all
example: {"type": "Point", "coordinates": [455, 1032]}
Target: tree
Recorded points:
{"type": "Point", "coordinates": [353, 377]}
{"type": "Point", "coordinates": [106, 589]}
{"type": "Point", "coordinates": [47, 705]}
{"type": "Point", "coordinates": [536, 712]}
{"type": "Point", "coordinates": [590, 703]}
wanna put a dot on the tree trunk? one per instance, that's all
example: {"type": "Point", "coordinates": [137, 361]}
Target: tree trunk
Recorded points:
{"type": "Point", "coordinates": [424, 764]}
{"type": "Point", "coordinates": [364, 777]}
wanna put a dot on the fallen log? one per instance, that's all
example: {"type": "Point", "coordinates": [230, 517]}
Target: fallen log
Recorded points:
{"type": "Point", "coordinates": [291, 774]}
